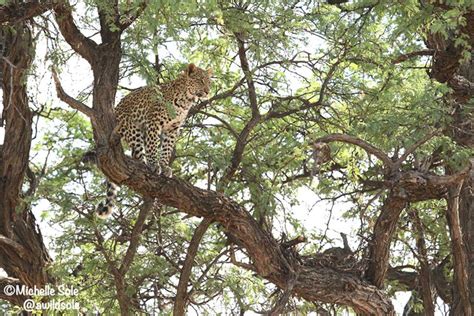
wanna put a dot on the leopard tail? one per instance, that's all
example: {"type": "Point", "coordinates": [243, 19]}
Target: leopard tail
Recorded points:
{"type": "Point", "coordinates": [104, 209]}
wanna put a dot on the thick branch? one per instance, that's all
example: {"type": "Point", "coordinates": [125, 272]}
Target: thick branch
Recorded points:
{"type": "Point", "coordinates": [22, 252]}
{"type": "Point", "coordinates": [82, 45]}
{"type": "Point", "coordinates": [314, 283]}
{"type": "Point", "coordinates": [17, 12]}
{"type": "Point", "coordinates": [382, 237]}
{"type": "Point", "coordinates": [182, 290]}
{"type": "Point", "coordinates": [459, 249]}
{"type": "Point", "coordinates": [5, 241]}
{"type": "Point", "coordinates": [425, 271]}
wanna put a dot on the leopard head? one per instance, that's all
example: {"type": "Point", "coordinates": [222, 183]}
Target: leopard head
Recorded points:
{"type": "Point", "coordinates": [198, 81]}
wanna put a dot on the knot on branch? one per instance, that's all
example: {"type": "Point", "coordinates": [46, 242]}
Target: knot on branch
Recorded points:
{"type": "Point", "coordinates": [415, 186]}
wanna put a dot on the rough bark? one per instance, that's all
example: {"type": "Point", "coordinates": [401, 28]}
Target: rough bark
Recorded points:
{"type": "Point", "coordinates": [461, 272]}
{"type": "Point", "coordinates": [426, 284]}
{"type": "Point", "coordinates": [466, 214]}
{"type": "Point", "coordinates": [22, 252]}
{"type": "Point", "coordinates": [382, 236]}
{"type": "Point", "coordinates": [447, 67]}
{"type": "Point", "coordinates": [18, 12]}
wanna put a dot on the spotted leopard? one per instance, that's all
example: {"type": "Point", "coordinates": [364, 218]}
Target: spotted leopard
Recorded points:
{"type": "Point", "coordinates": [151, 113]}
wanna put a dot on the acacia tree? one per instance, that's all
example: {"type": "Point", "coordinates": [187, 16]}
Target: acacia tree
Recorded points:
{"type": "Point", "coordinates": [293, 80]}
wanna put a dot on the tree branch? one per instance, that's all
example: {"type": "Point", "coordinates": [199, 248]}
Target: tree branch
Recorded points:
{"type": "Point", "coordinates": [130, 18]}
{"type": "Point", "coordinates": [244, 64]}
{"type": "Point", "coordinates": [181, 292]}
{"type": "Point", "coordinates": [82, 45]}
{"type": "Point", "coordinates": [17, 12]}
{"type": "Point", "coordinates": [14, 245]}
{"type": "Point", "coordinates": [370, 149]}
{"type": "Point", "coordinates": [314, 283]}
{"type": "Point", "coordinates": [14, 299]}
{"type": "Point", "coordinates": [135, 236]}
{"type": "Point", "coordinates": [404, 57]}
{"type": "Point", "coordinates": [382, 237]}
{"type": "Point", "coordinates": [459, 249]}
{"type": "Point", "coordinates": [72, 102]}
{"type": "Point", "coordinates": [425, 271]}
{"type": "Point", "coordinates": [241, 141]}
{"type": "Point", "coordinates": [417, 144]}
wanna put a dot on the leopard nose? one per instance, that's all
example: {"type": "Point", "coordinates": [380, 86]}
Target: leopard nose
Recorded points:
{"type": "Point", "coordinates": [201, 94]}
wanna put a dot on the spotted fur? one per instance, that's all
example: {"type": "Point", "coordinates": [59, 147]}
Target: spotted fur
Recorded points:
{"type": "Point", "coordinates": [153, 113]}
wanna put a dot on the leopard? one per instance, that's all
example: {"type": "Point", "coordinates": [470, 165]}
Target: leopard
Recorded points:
{"type": "Point", "coordinates": [150, 118]}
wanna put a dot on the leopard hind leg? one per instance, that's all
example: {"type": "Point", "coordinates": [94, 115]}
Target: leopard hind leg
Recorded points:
{"type": "Point", "coordinates": [135, 139]}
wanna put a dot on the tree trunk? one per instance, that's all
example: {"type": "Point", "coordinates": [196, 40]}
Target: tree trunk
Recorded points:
{"type": "Point", "coordinates": [22, 252]}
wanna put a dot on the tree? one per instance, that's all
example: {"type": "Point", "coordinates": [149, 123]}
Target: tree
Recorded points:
{"type": "Point", "coordinates": [302, 94]}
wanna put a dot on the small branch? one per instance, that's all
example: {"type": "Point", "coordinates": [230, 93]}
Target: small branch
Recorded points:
{"type": "Point", "coordinates": [412, 149]}
{"type": "Point", "coordinates": [219, 96]}
{"type": "Point", "coordinates": [135, 236]}
{"type": "Point", "coordinates": [182, 291]}
{"type": "Point", "coordinates": [404, 57]}
{"type": "Point", "coordinates": [132, 17]}
{"type": "Point", "coordinates": [294, 242]}
{"type": "Point", "coordinates": [72, 102]}
{"type": "Point", "coordinates": [370, 149]}
{"type": "Point", "coordinates": [244, 64]}
{"type": "Point", "coordinates": [280, 305]}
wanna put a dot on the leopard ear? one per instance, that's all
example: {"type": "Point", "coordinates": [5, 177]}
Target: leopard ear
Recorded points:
{"type": "Point", "coordinates": [209, 71]}
{"type": "Point", "coordinates": [191, 68]}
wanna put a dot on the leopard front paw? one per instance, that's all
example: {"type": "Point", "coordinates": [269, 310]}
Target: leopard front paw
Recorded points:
{"type": "Point", "coordinates": [166, 171]}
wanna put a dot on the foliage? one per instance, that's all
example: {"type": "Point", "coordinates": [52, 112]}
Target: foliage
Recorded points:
{"type": "Point", "coordinates": [340, 59]}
